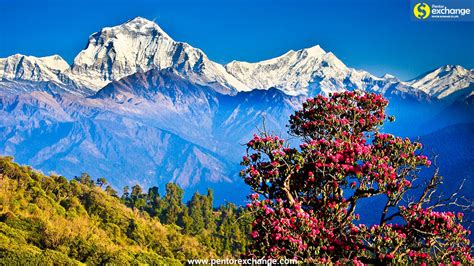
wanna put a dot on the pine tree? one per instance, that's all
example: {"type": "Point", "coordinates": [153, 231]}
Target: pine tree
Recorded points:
{"type": "Point", "coordinates": [208, 211]}
{"type": "Point", "coordinates": [173, 205]}
{"type": "Point", "coordinates": [137, 200]}
{"type": "Point", "coordinates": [126, 196]}
{"type": "Point", "coordinates": [185, 221]}
{"type": "Point", "coordinates": [154, 202]}
{"type": "Point", "coordinates": [195, 207]}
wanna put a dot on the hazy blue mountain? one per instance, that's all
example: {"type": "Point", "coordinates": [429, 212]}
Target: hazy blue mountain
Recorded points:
{"type": "Point", "coordinates": [149, 128]}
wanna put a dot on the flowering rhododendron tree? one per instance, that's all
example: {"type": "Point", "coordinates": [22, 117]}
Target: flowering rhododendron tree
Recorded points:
{"type": "Point", "coordinates": [305, 198]}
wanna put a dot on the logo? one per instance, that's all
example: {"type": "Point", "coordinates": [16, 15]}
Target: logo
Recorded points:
{"type": "Point", "coordinates": [421, 10]}
{"type": "Point", "coordinates": [441, 10]}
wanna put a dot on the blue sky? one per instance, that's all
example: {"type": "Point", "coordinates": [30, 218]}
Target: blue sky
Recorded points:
{"type": "Point", "coordinates": [376, 35]}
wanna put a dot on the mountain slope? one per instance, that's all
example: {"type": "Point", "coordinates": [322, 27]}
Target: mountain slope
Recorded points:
{"type": "Point", "coordinates": [148, 128]}
{"type": "Point", "coordinates": [164, 99]}
{"type": "Point", "coordinates": [71, 140]}
{"type": "Point", "coordinates": [296, 72]}
{"type": "Point", "coordinates": [49, 220]}
{"type": "Point", "coordinates": [454, 147]}
{"type": "Point", "coordinates": [445, 81]}
{"type": "Point", "coordinates": [292, 72]}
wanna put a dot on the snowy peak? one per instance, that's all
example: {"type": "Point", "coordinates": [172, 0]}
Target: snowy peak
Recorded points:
{"type": "Point", "coordinates": [315, 51]}
{"type": "Point", "coordinates": [389, 76]}
{"type": "Point", "coordinates": [313, 71]}
{"type": "Point", "coordinates": [115, 52]}
{"type": "Point", "coordinates": [55, 62]}
{"type": "Point", "coordinates": [144, 26]}
{"type": "Point", "coordinates": [295, 72]}
{"type": "Point", "coordinates": [444, 81]}
{"type": "Point", "coordinates": [138, 46]}
{"type": "Point", "coordinates": [30, 68]}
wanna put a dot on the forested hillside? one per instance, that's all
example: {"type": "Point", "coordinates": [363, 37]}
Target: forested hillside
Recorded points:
{"type": "Point", "coordinates": [46, 219]}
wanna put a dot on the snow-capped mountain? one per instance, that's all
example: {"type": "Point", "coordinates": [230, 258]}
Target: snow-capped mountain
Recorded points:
{"type": "Point", "coordinates": [295, 72]}
{"type": "Point", "coordinates": [138, 46]}
{"type": "Point", "coordinates": [24, 74]}
{"type": "Point", "coordinates": [445, 81]}
{"type": "Point", "coordinates": [312, 71]}
{"type": "Point", "coordinates": [21, 67]}
{"type": "Point", "coordinates": [309, 71]}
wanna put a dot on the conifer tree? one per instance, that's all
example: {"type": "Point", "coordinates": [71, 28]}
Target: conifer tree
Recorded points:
{"type": "Point", "coordinates": [195, 206]}
{"type": "Point", "coordinates": [208, 211]}
{"type": "Point", "coordinates": [154, 201]}
{"type": "Point", "coordinates": [172, 204]}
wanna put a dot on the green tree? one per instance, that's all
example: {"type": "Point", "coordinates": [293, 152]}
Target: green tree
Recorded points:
{"type": "Point", "coordinates": [195, 207]}
{"type": "Point", "coordinates": [136, 192]}
{"type": "Point", "coordinates": [85, 179]}
{"type": "Point", "coordinates": [208, 211]}
{"type": "Point", "coordinates": [185, 221]}
{"type": "Point", "coordinates": [101, 181]}
{"type": "Point", "coordinates": [126, 192]}
{"type": "Point", "coordinates": [154, 201]}
{"type": "Point", "coordinates": [137, 198]}
{"type": "Point", "coordinates": [111, 191]}
{"type": "Point", "coordinates": [232, 234]}
{"type": "Point", "coordinates": [126, 196]}
{"type": "Point", "coordinates": [173, 204]}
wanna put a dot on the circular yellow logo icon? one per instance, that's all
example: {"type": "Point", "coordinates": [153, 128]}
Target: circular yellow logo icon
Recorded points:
{"type": "Point", "coordinates": [421, 10]}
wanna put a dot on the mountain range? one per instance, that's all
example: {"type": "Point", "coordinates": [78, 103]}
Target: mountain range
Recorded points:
{"type": "Point", "coordinates": [137, 106]}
